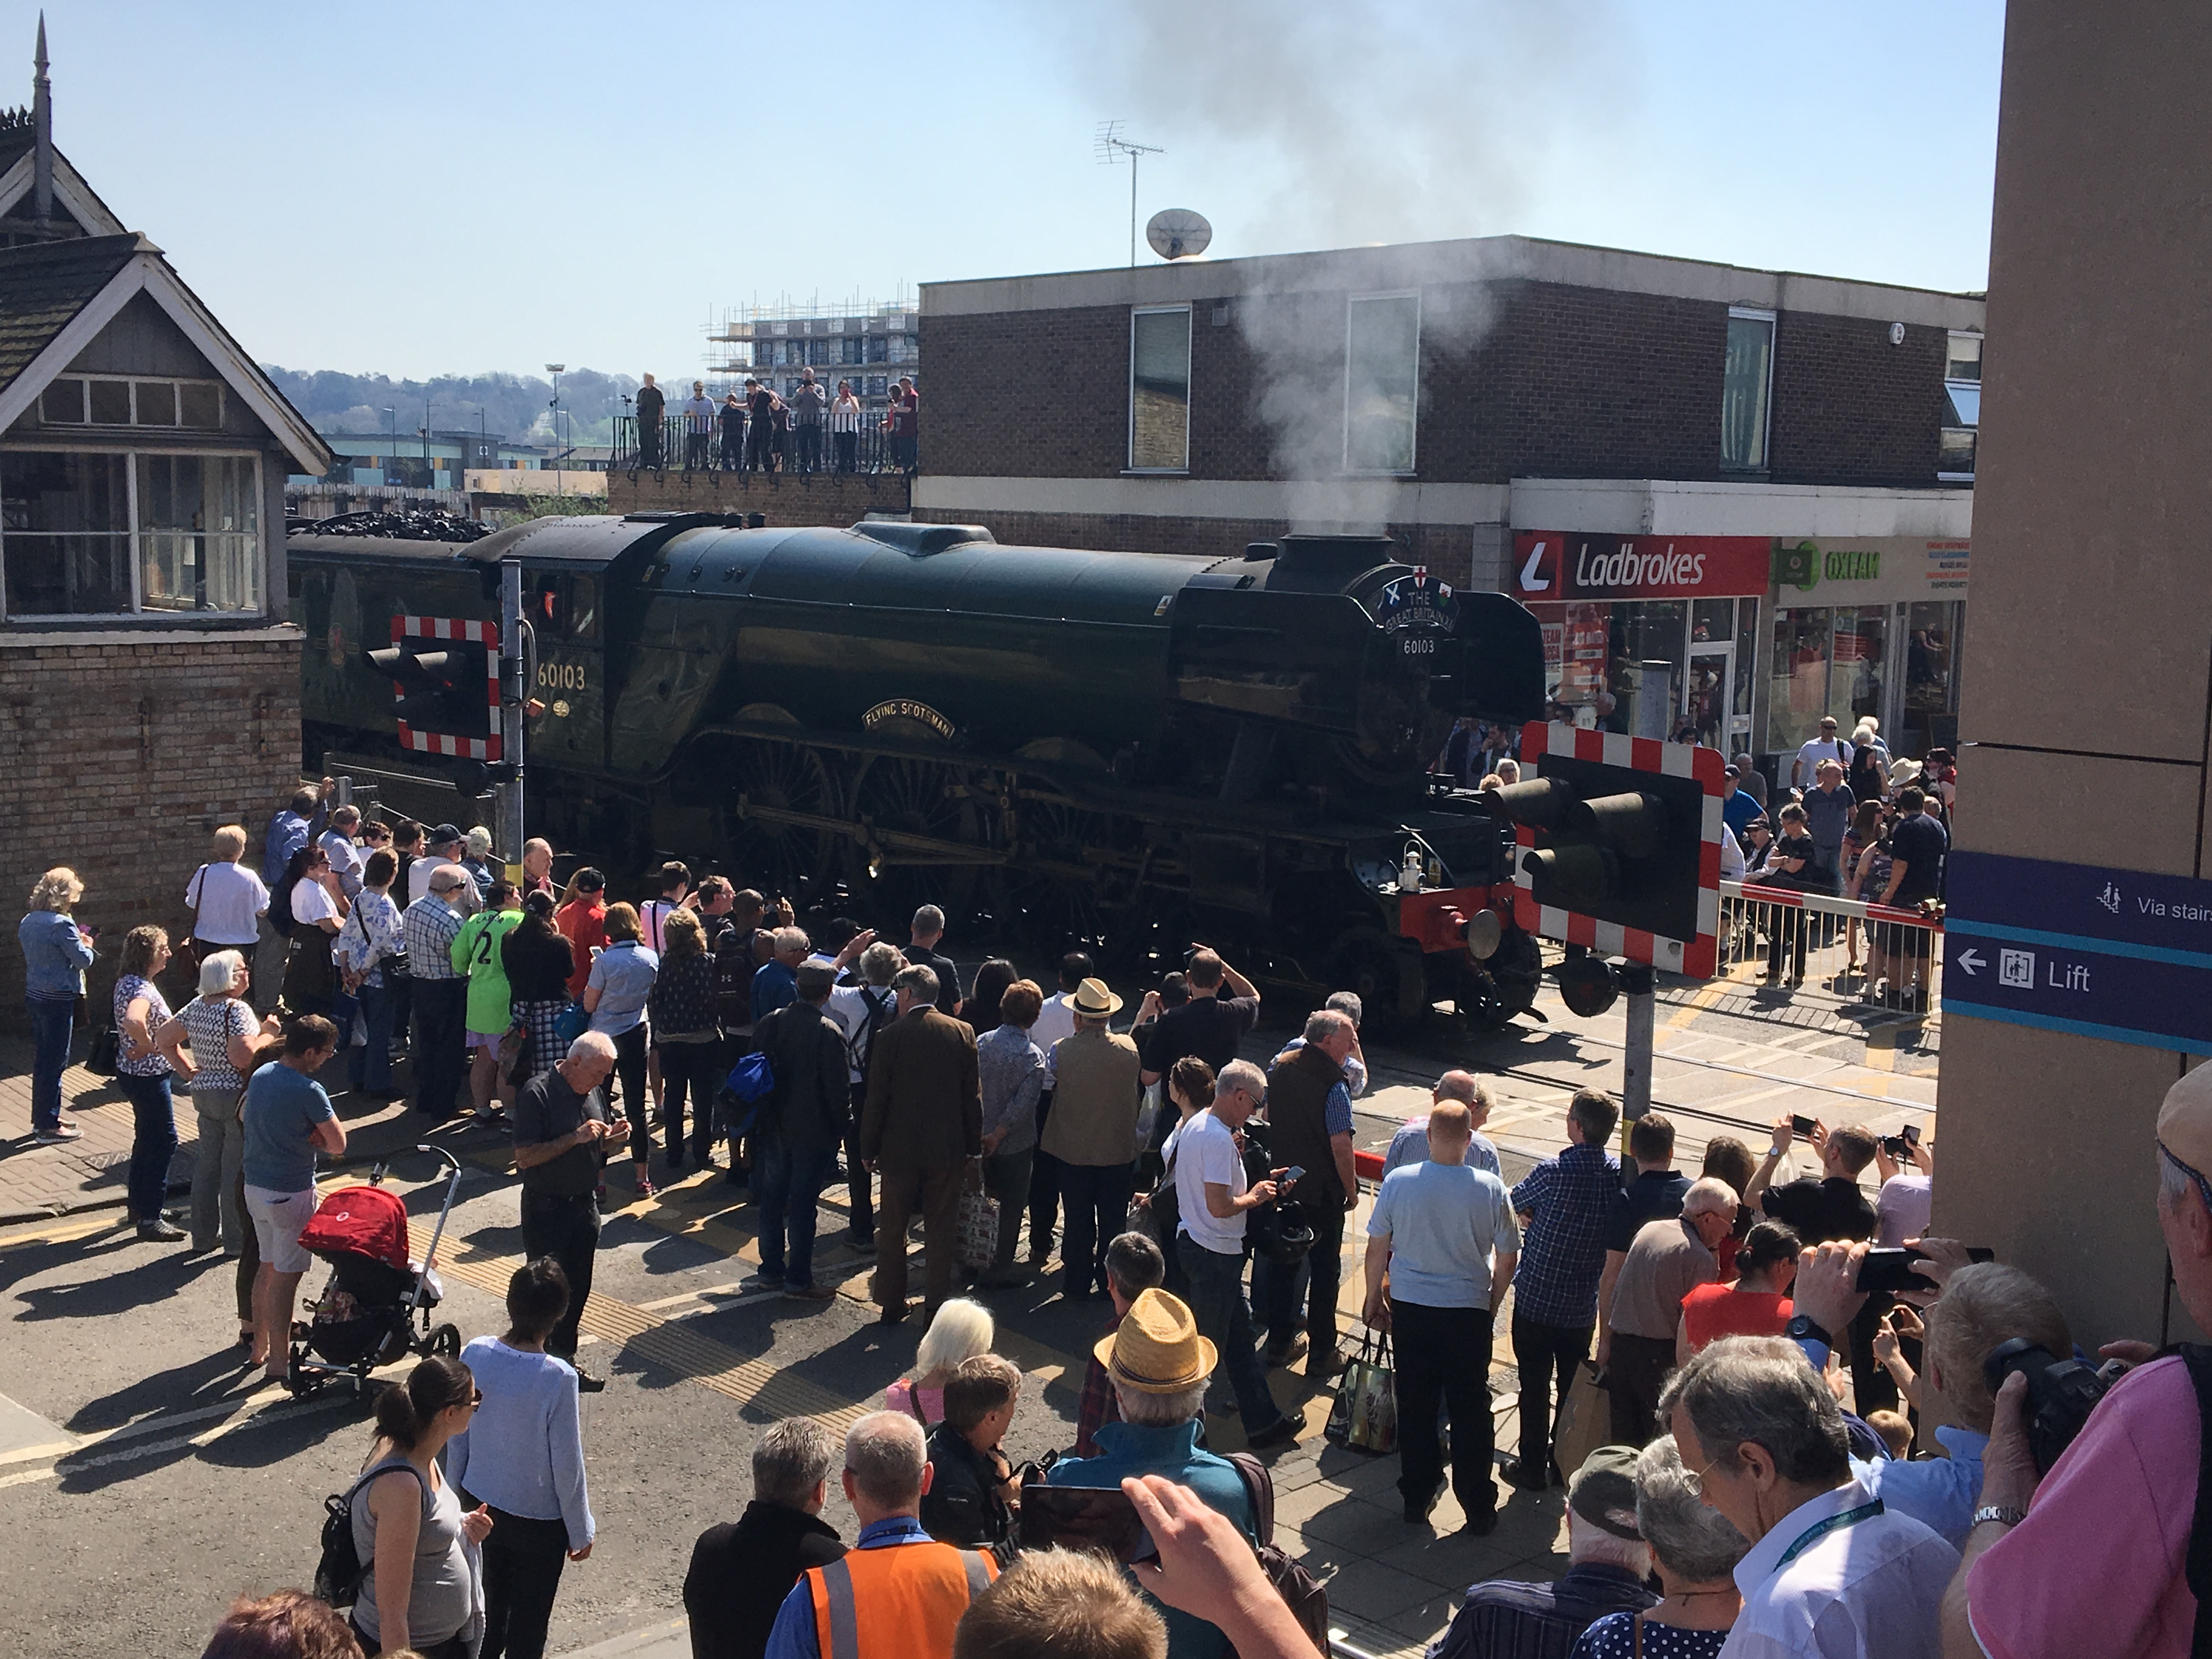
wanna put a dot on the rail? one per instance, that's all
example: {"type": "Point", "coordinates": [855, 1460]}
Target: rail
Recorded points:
{"type": "Point", "coordinates": [788, 449]}
{"type": "Point", "coordinates": [1878, 957]}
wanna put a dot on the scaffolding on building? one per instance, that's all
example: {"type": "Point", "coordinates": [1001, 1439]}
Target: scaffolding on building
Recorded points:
{"type": "Point", "coordinates": [871, 343]}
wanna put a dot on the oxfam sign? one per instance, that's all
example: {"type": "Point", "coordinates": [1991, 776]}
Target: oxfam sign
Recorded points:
{"type": "Point", "coordinates": [1804, 566]}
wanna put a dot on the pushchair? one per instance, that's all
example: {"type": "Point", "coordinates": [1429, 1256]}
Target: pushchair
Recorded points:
{"type": "Point", "coordinates": [376, 1298]}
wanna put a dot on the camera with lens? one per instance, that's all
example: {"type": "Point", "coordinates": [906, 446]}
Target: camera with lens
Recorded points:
{"type": "Point", "coordinates": [2061, 1393]}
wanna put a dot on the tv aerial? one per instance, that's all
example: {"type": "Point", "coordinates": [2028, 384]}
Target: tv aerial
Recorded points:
{"type": "Point", "coordinates": [1112, 147]}
{"type": "Point", "coordinates": [1178, 234]}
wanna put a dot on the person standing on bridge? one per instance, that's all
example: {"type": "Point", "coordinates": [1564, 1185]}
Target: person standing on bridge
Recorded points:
{"type": "Point", "coordinates": [650, 404]}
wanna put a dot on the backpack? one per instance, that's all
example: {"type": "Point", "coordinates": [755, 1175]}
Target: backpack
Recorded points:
{"type": "Point", "coordinates": [1301, 1592]}
{"type": "Point", "coordinates": [860, 1047]}
{"type": "Point", "coordinates": [732, 991]}
{"type": "Point", "coordinates": [338, 1574]}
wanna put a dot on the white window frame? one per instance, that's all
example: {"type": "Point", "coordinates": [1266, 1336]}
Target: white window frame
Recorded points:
{"type": "Point", "coordinates": [1756, 314]}
{"type": "Point", "coordinates": [1189, 347]}
{"type": "Point", "coordinates": [1961, 334]}
{"type": "Point", "coordinates": [138, 614]}
{"type": "Point", "coordinates": [1413, 454]}
{"type": "Point", "coordinates": [176, 383]}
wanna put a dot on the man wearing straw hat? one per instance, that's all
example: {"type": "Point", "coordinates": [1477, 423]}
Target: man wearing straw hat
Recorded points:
{"type": "Point", "coordinates": [1158, 1365]}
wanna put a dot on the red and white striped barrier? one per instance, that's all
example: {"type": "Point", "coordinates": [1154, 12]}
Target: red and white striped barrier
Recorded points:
{"type": "Point", "coordinates": [1828, 905]}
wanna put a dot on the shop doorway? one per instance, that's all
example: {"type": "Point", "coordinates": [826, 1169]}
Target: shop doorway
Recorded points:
{"type": "Point", "coordinates": [1708, 697]}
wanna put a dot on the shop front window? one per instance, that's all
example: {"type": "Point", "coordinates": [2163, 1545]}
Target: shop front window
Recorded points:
{"type": "Point", "coordinates": [1860, 663]}
{"type": "Point", "coordinates": [1645, 668]}
{"type": "Point", "coordinates": [1798, 694]}
{"type": "Point", "coordinates": [1934, 632]}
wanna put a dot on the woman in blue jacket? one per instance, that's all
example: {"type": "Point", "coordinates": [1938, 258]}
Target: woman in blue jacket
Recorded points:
{"type": "Point", "coordinates": [56, 953]}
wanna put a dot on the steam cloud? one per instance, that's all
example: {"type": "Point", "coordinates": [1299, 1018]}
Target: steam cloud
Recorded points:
{"type": "Point", "coordinates": [1405, 121]}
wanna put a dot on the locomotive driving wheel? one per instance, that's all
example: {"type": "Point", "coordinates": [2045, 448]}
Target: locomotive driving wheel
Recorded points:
{"type": "Point", "coordinates": [897, 797]}
{"type": "Point", "coordinates": [768, 781]}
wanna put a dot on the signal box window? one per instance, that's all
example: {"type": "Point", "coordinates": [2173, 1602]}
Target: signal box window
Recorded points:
{"type": "Point", "coordinates": [65, 534]}
{"type": "Point", "coordinates": [1382, 381]}
{"type": "Point", "coordinates": [70, 547]}
{"type": "Point", "coordinates": [199, 546]}
{"type": "Point", "coordinates": [1159, 389]}
{"type": "Point", "coordinates": [101, 400]}
{"type": "Point", "coordinates": [1747, 382]}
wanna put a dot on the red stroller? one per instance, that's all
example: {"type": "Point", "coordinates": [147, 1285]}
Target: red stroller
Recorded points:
{"type": "Point", "coordinates": [369, 1311]}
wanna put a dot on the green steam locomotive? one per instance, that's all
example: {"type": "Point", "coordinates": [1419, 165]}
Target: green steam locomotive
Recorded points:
{"type": "Point", "coordinates": [1127, 750]}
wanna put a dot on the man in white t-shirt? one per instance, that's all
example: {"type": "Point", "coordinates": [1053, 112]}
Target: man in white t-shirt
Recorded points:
{"type": "Point", "coordinates": [227, 899]}
{"type": "Point", "coordinates": [1058, 1019]}
{"type": "Point", "coordinates": [1906, 1204]}
{"type": "Point", "coordinates": [1213, 1198]}
{"type": "Point", "coordinates": [1826, 747]}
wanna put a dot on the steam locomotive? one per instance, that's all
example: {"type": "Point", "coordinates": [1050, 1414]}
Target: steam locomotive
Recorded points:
{"type": "Point", "coordinates": [1129, 750]}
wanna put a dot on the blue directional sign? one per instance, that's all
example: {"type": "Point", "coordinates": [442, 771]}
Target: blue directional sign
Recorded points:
{"type": "Point", "coordinates": [2118, 954]}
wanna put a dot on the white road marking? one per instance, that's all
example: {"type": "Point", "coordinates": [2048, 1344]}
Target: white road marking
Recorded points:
{"type": "Point", "coordinates": [69, 1462]}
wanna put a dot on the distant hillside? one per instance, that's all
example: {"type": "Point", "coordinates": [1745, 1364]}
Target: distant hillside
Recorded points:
{"type": "Point", "coordinates": [514, 405]}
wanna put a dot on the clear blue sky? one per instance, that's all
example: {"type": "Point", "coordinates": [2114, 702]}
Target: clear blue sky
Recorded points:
{"type": "Point", "coordinates": [418, 189]}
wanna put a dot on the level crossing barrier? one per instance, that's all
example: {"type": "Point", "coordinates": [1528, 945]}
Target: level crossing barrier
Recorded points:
{"type": "Point", "coordinates": [1876, 956]}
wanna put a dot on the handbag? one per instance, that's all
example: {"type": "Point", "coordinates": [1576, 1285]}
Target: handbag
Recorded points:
{"type": "Point", "coordinates": [1365, 1418]}
{"type": "Point", "coordinates": [107, 1050]}
{"type": "Point", "coordinates": [1585, 1418]}
{"type": "Point", "coordinates": [978, 1220]}
{"type": "Point", "coordinates": [518, 1054]}
{"type": "Point", "coordinates": [1161, 1213]}
{"type": "Point", "coordinates": [571, 1022]}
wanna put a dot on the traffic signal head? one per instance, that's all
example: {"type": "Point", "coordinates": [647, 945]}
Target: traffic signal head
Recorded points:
{"type": "Point", "coordinates": [442, 698]}
{"type": "Point", "coordinates": [1613, 843]}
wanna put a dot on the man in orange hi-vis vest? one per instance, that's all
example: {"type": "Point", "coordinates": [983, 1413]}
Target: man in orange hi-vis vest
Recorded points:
{"type": "Point", "coordinates": [899, 1594]}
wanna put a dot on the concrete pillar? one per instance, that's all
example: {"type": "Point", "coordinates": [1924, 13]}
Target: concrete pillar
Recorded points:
{"type": "Point", "coordinates": [2088, 674]}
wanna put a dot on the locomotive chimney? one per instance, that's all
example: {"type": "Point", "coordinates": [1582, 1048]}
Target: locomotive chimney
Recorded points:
{"type": "Point", "coordinates": [1326, 564]}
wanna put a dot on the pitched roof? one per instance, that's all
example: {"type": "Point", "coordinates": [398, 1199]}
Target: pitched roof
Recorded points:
{"type": "Point", "coordinates": [43, 286]}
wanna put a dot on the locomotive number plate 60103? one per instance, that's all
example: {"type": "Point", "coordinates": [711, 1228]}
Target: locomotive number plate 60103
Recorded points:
{"type": "Point", "coordinates": [1417, 645]}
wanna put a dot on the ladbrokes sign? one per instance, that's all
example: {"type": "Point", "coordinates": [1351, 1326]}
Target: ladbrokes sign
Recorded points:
{"type": "Point", "coordinates": [1549, 568]}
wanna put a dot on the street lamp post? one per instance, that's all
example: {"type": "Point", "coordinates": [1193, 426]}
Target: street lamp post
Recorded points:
{"type": "Point", "coordinates": [559, 483]}
{"type": "Point", "coordinates": [391, 418]}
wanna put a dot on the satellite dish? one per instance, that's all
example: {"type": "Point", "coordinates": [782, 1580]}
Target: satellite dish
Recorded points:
{"type": "Point", "coordinates": [1178, 234]}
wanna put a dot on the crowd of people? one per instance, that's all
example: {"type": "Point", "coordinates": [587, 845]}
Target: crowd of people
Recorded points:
{"type": "Point", "coordinates": [1758, 1492]}
{"type": "Point", "coordinates": [760, 430]}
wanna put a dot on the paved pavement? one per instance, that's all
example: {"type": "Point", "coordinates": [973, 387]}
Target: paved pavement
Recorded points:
{"type": "Point", "coordinates": [144, 1481]}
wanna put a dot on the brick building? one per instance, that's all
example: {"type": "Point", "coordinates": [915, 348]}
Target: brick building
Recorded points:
{"type": "Point", "coordinates": [151, 682]}
{"type": "Point", "coordinates": [1528, 416]}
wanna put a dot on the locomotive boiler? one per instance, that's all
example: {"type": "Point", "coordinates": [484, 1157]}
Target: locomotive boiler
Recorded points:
{"type": "Point", "coordinates": [1125, 749]}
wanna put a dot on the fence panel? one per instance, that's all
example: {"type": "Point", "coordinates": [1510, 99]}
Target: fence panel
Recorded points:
{"type": "Point", "coordinates": [1863, 953]}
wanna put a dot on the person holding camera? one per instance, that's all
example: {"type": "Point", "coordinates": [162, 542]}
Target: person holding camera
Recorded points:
{"type": "Point", "coordinates": [2090, 1554]}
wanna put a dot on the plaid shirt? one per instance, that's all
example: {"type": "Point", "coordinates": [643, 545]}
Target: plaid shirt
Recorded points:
{"type": "Point", "coordinates": [1503, 1619]}
{"type": "Point", "coordinates": [430, 925]}
{"type": "Point", "coordinates": [1099, 1406]}
{"type": "Point", "coordinates": [1569, 1202]}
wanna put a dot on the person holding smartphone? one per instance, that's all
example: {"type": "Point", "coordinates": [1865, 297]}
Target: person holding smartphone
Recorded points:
{"type": "Point", "coordinates": [562, 1136]}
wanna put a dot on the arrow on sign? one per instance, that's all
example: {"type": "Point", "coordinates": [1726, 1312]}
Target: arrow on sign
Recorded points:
{"type": "Point", "coordinates": [1971, 960]}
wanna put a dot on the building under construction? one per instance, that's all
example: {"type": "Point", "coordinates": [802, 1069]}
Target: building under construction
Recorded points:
{"type": "Point", "coordinates": [871, 345]}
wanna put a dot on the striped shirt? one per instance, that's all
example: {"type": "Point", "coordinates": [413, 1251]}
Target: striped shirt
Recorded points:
{"type": "Point", "coordinates": [430, 925]}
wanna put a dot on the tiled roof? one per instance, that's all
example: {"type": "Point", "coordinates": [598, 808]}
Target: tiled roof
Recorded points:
{"type": "Point", "coordinates": [44, 285]}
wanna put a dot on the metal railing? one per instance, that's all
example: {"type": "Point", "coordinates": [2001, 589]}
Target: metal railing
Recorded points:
{"type": "Point", "coordinates": [1878, 959]}
{"type": "Point", "coordinates": [787, 449]}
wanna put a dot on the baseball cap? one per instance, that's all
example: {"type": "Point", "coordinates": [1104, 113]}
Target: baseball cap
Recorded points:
{"type": "Point", "coordinates": [590, 881]}
{"type": "Point", "coordinates": [1603, 1491]}
{"type": "Point", "coordinates": [2185, 1120]}
{"type": "Point", "coordinates": [441, 834]}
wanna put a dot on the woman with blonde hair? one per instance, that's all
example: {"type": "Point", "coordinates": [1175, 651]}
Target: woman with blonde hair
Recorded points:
{"type": "Point", "coordinates": [56, 953]}
{"type": "Point", "coordinates": [227, 900]}
{"type": "Point", "coordinates": [615, 996]}
{"type": "Point", "coordinates": [143, 1070]}
{"type": "Point", "coordinates": [685, 1035]}
{"type": "Point", "coordinates": [962, 1329]}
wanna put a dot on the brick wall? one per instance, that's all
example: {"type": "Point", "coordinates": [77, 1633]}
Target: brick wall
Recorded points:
{"type": "Point", "coordinates": [1518, 379]}
{"type": "Point", "coordinates": [122, 758]}
{"type": "Point", "coordinates": [1850, 407]}
{"type": "Point", "coordinates": [817, 498]}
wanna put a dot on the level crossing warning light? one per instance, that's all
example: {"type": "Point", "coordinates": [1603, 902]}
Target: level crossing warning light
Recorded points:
{"type": "Point", "coordinates": [1621, 845]}
{"type": "Point", "coordinates": [444, 682]}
